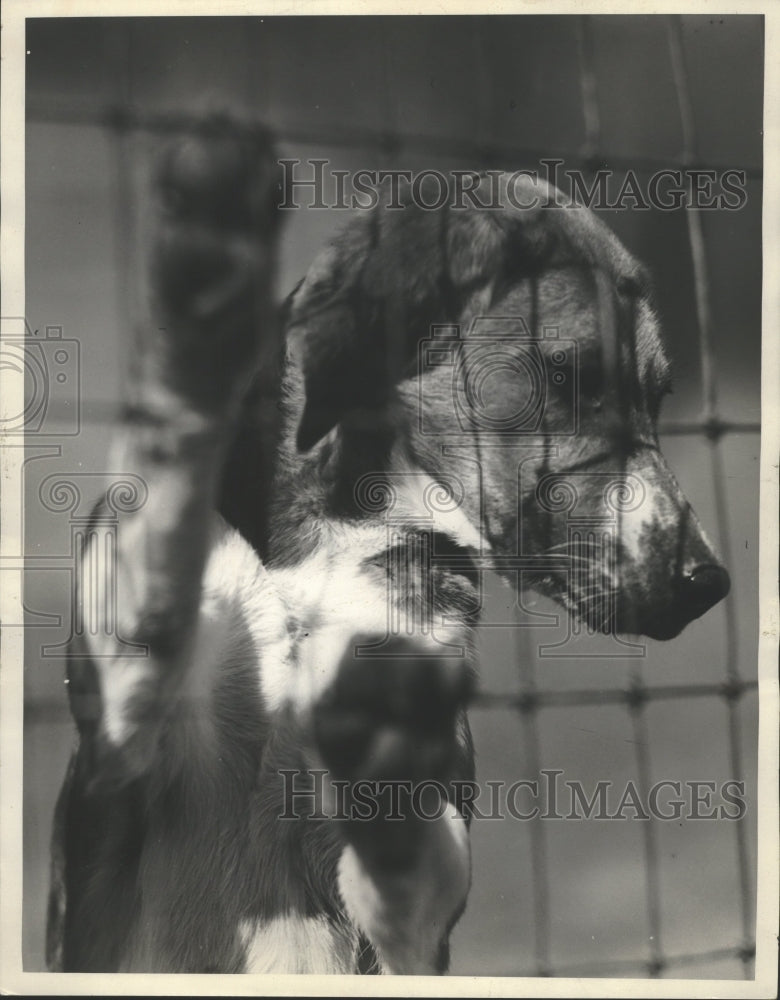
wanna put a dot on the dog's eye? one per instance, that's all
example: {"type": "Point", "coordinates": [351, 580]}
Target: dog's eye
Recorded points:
{"type": "Point", "coordinates": [636, 285]}
{"type": "Point", "coordinates": [664, 381]}
{"type": "Point", "coordinates": [570, 370]}
{"type": "Point", "coordinates": [591, 380]}
{"type": "Point", "coordinates": [666, 389]}
{"type": "Point", "coordinates": [629, 286]}
{"type": "Point", "coordinates": [656, 394]}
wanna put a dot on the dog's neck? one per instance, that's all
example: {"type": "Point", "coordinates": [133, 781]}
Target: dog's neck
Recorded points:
{"type": "Point", "coordinates": [365, 578]}
{"type": "Point", "coordinates": [359, 478]}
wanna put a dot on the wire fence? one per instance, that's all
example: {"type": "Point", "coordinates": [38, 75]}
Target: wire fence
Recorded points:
{"type": "Point", "coordinates": [636, 695]}
{"type": "Point", "coordinates": [531, 702]}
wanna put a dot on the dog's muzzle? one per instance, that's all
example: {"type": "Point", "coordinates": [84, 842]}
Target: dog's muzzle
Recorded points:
{"type": "Point", "coordinates": [633, 556]}
{"type": "Point", "coordinates": [693, 594]}
{"type": "Point", "coordinates": [702, 588]}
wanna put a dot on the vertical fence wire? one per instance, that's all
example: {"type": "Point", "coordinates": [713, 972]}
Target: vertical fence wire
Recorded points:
{"type": "Point", "coordinates": [540, 874]}
{"type": "Point", "coordinates": [591, 113]}
{"type": "Point", "coordinates": [637, 706]}
{"type": "Point", "coordinates": [122, 142]}
{"type": "Point", "coordinates": [733, 686]}
{"type": "Point", "coordinates": [618, 342]}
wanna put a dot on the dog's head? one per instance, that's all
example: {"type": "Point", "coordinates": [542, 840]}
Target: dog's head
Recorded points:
{"type": "Point", "coordinates": [511, 353]}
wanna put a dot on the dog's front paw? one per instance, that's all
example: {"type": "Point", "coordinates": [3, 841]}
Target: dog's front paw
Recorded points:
{"type": "Point", "coordinates": [387, 730]}
{"type": "Point", "coordinates": [212, 266]}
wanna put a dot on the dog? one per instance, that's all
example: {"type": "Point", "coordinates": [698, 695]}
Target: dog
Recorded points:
{"type": "Point", "coordinates": [463, 388]}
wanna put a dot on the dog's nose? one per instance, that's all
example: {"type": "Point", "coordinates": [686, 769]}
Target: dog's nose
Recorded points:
{"type": "Point", "coordinates": [703, 587]}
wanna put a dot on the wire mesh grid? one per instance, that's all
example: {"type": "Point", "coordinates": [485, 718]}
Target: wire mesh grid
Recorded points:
{"type": "Point", "coordinates": [634, 697]}
{"type": "Point", "coordinates": [531, 702]}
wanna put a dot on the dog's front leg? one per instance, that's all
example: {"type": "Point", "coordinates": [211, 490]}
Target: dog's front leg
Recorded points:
{"type": "Point", "coordinates": [210, 281]}
{"type": "Point", "coordinates": [408, 910]}
{"type": "Point", "coordinates": [392, 733]}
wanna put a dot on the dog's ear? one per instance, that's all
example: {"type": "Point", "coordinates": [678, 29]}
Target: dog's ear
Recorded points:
{"type": "Point", "coordinates": [355, 321]}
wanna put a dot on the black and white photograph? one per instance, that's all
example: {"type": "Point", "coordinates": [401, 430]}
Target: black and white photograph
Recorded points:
{"type": "Point", "coordinates": [389, 494]}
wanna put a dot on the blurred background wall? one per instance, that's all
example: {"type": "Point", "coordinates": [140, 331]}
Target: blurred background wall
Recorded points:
{"type": "Point", "coordinates": [589, 897]}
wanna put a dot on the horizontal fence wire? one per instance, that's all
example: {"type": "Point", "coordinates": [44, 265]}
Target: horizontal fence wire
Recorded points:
{"type": "Point", "coordinates": [525, 701]}
{"type": "Point", "coordinates": [102, 411]}
{"type": "Point", "coordinates": [532, 700]}
{"type": "Point", "coordinates": [121, 119]}
{"type": "Point", "coordinates": [630, 967]}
